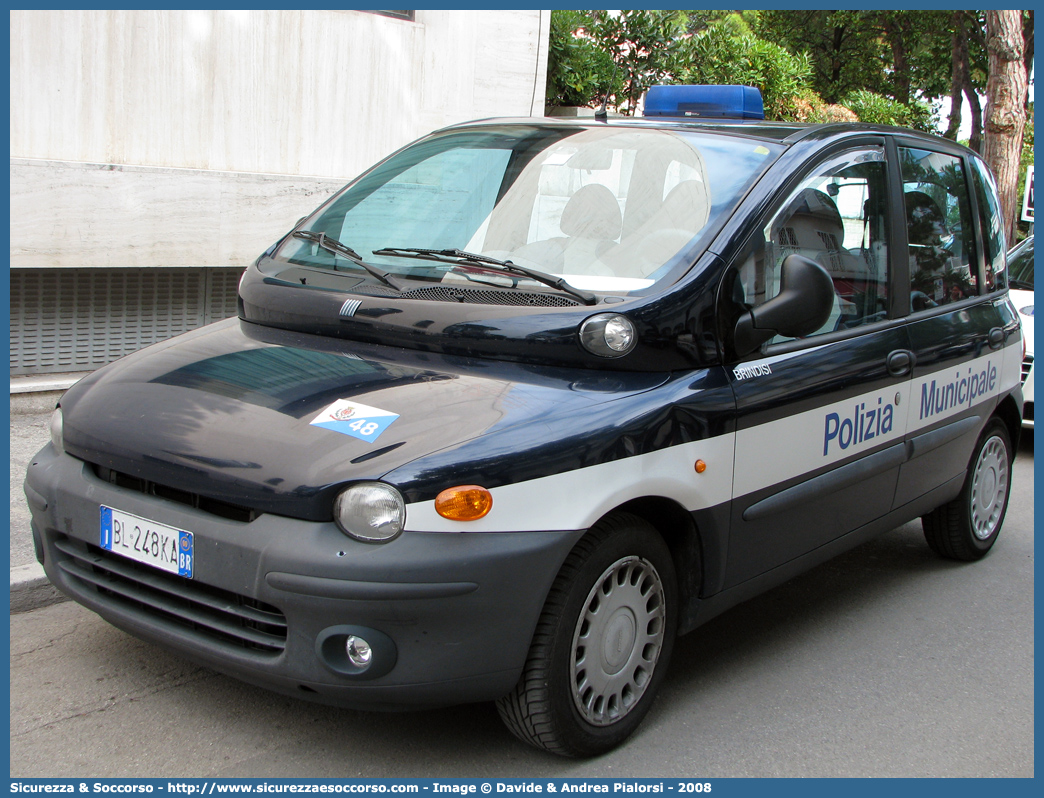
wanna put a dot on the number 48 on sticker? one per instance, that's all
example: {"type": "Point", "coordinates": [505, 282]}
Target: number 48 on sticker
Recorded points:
{"type": "Point", "coordinates": [363, 427]}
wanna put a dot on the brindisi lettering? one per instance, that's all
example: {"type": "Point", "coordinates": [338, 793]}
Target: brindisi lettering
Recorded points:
{"type": "Point", "coordinates": [864, 424]}
{"type": "Point", "coordinates": [757, 370]}
{"type": "Point", "coordinates": [961, 391]}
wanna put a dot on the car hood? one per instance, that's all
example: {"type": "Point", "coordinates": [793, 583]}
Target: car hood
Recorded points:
{"type": "Point", "coordinates": [248, 415]}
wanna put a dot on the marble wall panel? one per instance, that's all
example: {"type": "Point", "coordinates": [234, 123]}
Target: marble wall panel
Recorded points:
{"type": "Point", "coordinates": [279, 92]}
{"type": "Point", "coordinates": [177, 138]}
{"type": "Point", "coordinates": [85, 215]}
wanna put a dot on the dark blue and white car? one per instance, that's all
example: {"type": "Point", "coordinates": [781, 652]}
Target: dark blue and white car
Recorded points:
{"type": "Point", "coordinates": [530, 398]}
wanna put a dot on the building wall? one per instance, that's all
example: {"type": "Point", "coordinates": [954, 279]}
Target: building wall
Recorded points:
{"type": "Point", "coordinates": [189, 141]}
{"type": "Point", "coordinates": [209, 133]}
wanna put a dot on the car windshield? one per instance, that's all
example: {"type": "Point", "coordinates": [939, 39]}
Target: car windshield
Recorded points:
{"type": "Point", "coordinates": [610, 209]}
{"type": "Point", "coordinates": [1020, 266]}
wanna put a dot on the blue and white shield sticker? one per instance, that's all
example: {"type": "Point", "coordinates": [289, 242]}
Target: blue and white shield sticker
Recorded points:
{"type": "Point", "coordinates": [351, 418]}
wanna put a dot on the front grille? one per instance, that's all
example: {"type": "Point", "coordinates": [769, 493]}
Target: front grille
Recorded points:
{"type": "Point", "coordinates": [216, 615]}
{"type": "Point", "coordinates": [1027, 364]}
{"type": "Point", "coordinates": [475, 296]}
{"type": "Point", "coordinates": [233, 512]}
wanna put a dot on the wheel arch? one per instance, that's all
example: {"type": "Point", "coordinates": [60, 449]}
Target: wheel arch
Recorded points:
{"type": "Point", "coordinates": [676, 526]}
{"type": "Point", "coordinates": [1010, 413]}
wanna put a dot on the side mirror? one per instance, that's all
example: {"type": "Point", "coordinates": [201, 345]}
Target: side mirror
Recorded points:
{"type": "Point", "coordinates": [803, 304]}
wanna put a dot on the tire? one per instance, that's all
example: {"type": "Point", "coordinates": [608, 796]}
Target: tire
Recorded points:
{"type": "Point", "coordinates": [967, 527]}
{"type": "Point", "coordinates": [602, 643]}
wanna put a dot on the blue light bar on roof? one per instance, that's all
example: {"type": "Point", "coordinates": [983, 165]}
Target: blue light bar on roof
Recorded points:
{"type": "Point", "coordinates": [705, 102]}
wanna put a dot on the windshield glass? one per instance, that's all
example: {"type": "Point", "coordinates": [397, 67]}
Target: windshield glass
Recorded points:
{"type": "Point", "coordinates": [607, 209]}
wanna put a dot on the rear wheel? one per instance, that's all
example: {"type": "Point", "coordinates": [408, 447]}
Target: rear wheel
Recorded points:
{"type": "Point", "coordinates": [601, 645]}
{"type": "Point", "coordinates": [967, 527]}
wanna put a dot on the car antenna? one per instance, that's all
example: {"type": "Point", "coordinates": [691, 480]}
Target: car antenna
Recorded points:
{"type": "Point", "coordinates": [602, 115]}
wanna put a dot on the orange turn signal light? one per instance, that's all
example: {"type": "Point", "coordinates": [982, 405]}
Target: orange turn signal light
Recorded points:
{"type": "Point", "coordinates": [700, 466]}
{"type": "Point", "coordinates": [464, 503]}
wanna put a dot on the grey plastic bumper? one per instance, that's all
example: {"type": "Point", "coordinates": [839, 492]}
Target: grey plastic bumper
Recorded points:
{"type": "Point", "coordinates": [452, 614]}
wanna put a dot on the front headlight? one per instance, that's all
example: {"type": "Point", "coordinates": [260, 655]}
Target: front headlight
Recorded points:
{"type": "Point", "coordinates": [372, 512]}
{"type": "Point", "coordinates": [608, 335]}
{"type": "Point", "coordinates": [57, 441]}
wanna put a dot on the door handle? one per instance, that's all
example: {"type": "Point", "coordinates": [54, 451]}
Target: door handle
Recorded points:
{"type": "Point", "coordinates": [996, 338]}
{"type": "Point", "coordinates": [900, 362]}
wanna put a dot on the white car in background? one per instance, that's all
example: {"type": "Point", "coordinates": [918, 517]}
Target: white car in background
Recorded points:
{"type": "Point", "coordinates": [1020, 285]}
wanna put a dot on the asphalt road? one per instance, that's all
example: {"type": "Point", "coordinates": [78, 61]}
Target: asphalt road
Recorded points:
{"type": "Point", "coordinates": [884, 662]}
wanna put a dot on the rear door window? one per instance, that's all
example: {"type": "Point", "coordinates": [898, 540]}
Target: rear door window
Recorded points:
{"type": "Point", "coordinates": [990, 222]}
{"type": "Point", "coordinates": [940, 234]}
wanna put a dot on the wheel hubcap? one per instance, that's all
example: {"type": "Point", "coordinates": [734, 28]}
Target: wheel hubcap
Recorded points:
{"type": "Point", "coordinates": [989, 488]}
{"type": "Point", "coordinates": [617, 641]}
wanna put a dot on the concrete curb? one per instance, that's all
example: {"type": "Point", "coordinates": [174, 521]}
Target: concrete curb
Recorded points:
{"type": "Point", "coordinates": [31, 590]}
{"type": "Point", "coordinates": [39, 394]}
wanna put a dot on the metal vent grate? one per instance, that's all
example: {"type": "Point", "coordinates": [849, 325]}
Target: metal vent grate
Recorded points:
{"type": "Point", "coordinates": [233, 512]}
{"type": "Point", "coordinates": [209, 612]}
{"type": "Point", "coordinates": [79, 319]}
{"type": "Point", "coordinates": [491, 296]}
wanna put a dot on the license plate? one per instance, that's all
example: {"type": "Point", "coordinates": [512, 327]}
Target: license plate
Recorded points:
{"type": "Point", "coordinates": [146, 541]}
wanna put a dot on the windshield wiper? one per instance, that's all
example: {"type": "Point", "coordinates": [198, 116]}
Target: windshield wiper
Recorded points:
{"type": "Point", "coordinates": [1020, 285]}
{"type": "Point", "coordinates": [459, 256]}
{"type": "Point", "coordinates": [331, 244]}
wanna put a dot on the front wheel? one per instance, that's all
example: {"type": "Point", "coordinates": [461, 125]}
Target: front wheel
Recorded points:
{"type": "Point", "coordinates": [967, 527]}
{"type": "Point", "coordinates": [601, 645]}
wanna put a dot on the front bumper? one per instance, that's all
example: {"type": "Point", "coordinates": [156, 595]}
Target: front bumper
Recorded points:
{"type": "Point", "coordinates": [272, 600]}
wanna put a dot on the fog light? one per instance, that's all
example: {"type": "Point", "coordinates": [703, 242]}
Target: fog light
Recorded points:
{"type": "Point", "coordinates": [359, 651]}
{"type": "Point", "coordinates": [608, 335]}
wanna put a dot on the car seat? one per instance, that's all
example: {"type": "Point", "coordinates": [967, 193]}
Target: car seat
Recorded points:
{"type": "Point", "coordinates": [591, 222]}
{"type": "Point", "coordinates": [927, 234]}
{"type": "Point", "coordinates": [925, 222]}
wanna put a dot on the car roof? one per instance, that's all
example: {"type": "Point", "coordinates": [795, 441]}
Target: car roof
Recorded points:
{"type": "Point", "coordinates": [786, 133]}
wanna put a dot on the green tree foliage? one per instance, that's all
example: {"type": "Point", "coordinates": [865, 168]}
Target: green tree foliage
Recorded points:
{"type": "Point", "coordinates": [844, 47]}
{"type": "Point", "coordinates": [718, 55]}
{"type": "Point", "coordinates": [644, 45]}
{"type": "Point", "coordinates": [877, 109]}
{"type": "Point", "coordinates": [883, 67]}
{"type": "Point", "coordinates": [579, 71]}
{"type": "Point", "coordinates": [887, 66]}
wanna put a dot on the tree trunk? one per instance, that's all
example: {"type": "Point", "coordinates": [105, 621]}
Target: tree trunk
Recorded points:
{"type": "Point", "coordinates": [833, 94]}
{"type": "Point", "coordinates": [1027, 41]}
{"type": "Point", "coordinates": [1005, 108]}
{"type": "Point", "coordinates": [900, 67]}
{"type": "Point", "coordinates": [960, 74]}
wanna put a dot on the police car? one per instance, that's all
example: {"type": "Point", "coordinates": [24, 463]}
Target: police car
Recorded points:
{"type": "Point", "coordinates": [530, 398]}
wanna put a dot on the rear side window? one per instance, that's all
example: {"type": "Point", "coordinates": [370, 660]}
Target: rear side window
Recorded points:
{"type": "Point", "coordinates": [940, 233]}
{"type": "Point", "coordinates": [991, 224]}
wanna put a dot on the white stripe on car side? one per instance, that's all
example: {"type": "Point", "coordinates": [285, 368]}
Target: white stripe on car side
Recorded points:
{"type": "Point", "coordinates": [576, 499]}
{"type": "Point", "coordinates": [738, 463]}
